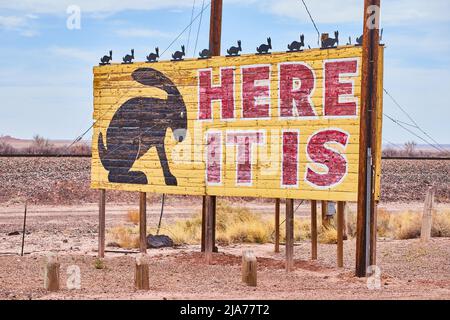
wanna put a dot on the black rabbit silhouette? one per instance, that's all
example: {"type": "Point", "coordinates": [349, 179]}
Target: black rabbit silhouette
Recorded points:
{"type": "Point", "coordinates": [178, 55]}
{"type": "Point", "coordinates": [106, 59]}
{"type": "Point", "coordinates": [330, 42]}
{"type": "Point", "coordinates": [234, 51]}
{"type": "Point", "coordinates": [297, 46]}
{"type": "Point", "coordinates": [264, 48]}
{"type": "Point", "coordinates": [153, 57]}
{"type": "Point", "coordinates": [140, 124]}
{"type": "Point", "coordinates": [128, 58]}
{"type": "Point", "coordinates": [204, 54]}
{"type": "Point", "coordinates": [359, 40]}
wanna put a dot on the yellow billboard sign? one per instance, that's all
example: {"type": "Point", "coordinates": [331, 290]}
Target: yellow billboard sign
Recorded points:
{"type": "Point", "coordinates": [284, 125]}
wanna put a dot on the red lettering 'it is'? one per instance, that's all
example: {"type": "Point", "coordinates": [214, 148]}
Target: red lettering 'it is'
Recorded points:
{"type": "Point", "coordinates": [244, 141]}
{"type": "Point", "coordinates": [320, 154]}
{"type": "Point", "coordinates": [290, 158]}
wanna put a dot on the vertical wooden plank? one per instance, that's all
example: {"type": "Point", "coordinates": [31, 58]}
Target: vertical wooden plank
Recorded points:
{"type": "Point", "coordinates": [289, 235]}
{"type": "Point", "coordinates": [314, 230]}
{"type": "Point", "coordinates": [340, 234]}
{"type": "Point", "coordinates": [324, 208]}
{"type": "Point", "coordinates": [427, 216]}
{"type": "Point", "coordinates": [277, 225]}
{"type": "Point", "coordinates": [203, 223]}
{"type": "Point", "coordinates": [143, 222]}
{"type": "Point", "coordinates": [101, 223]}
{"type": "Point", "coordinates": [209, 224]}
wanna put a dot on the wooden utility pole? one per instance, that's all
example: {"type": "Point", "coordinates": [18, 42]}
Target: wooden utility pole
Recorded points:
{"type": "Point", "coordinates": [209, 202]}
{"type": "Point", "coordinates": [101, 223]}
{"type": "Point", "coordinates": [365, 239]}
{"type": "Point", "coordinates": [143, 222]}
{"type": "Point", "coordinates": [277, 225]}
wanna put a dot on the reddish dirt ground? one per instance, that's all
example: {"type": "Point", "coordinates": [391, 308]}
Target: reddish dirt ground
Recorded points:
{"type": "Point", "coordinates": [409, 268]}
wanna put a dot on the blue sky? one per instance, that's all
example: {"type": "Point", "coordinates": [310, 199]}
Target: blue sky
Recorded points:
{"type": "Point", "coordinates": [46, 69]}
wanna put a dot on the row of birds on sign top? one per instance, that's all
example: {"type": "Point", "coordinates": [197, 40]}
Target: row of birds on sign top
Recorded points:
{"type": "Point", "coordinates": [295, 46]}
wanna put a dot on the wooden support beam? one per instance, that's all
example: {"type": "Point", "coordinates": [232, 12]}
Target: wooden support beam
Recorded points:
{"type": "Point", "coordinates": [365, 235]}
{"type": "Point", "coordinates": [277, 225]}
{"type": "Point", "coordinates": [101, 223]}
{"type": "Point", "coordinates": [289, 235]}
{"type": "Point", "coordinates": [313, 229]}
{"type": "Point", "coordinates": [427, 216]}
{"type": "Point", "coordinates": [209, 226]}
{"type": "Point", "coordinates": [340, 234]}
{"type": "Point", "coordinates": [203, 223]}
{"type": "Point", "coordinates": [325, 218]}
{"type": "Point", "coordinates": [143, 222]}
{"type": "Point", "coordinates": [249, 268]}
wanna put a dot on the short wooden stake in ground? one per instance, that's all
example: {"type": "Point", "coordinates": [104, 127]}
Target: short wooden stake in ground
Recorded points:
{"type": "Point", "coordinates": [249, 268]}
{"type": "Point", "coordinates": [340, 234]}
{"type": "Point", "coordinates": [141, 274]}
{"type": "Point", "coordinates": [427, 217]}
{"type": "Point", "coordinates": [143, 222]}
{"type": "Point", "coordinates": [314, 230]}
{"type": "Point", "coordinates": [277, 225]}
{"type": "Point", "coordinates": [289, 235]}
{"type": "Point", "coordinates": [51, 273]}
{"type": "Point", "coordinates": [101, 223]}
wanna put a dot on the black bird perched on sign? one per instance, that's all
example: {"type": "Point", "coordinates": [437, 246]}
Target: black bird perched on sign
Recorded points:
{"type": "Point", "coordinates": [234, 51]}
{"type": "Point", "coordinates": [153, 57]}
{"type": "Point", "coordinates": [128, 58]}
{"type": "Point", "coordinates": [106, 59]}
{"type": "Point", "coordinates": [264, 48]}
{"type": "Point", "coordinates": [142, 123]}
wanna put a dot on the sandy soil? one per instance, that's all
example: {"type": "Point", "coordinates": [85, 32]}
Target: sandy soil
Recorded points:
{"type": "Point", "coordinates": [410, 269]}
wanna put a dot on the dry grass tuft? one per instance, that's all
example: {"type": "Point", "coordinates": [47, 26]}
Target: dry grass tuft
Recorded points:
{"type": "Point", "coordinates": [236, 224]}
{"type": "Point", "coordinates": [327, 235]}
{"type": "Point", "coordinates": [126, 237]}
{"type": "Point", "coordinates": [133, 216]}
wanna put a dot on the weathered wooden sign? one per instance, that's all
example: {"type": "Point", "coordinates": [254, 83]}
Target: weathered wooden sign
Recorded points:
{"type": "Point", "coordinates": [284, 125]}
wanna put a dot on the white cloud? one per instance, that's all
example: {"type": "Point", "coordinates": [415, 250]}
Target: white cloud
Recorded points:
{"type": "Point", "coordinates": [73, 53]}
{"type": "Point", "coordinates": [12, 22]}
{"type": "Point", "coordinates": [142, 33]}
{"type": "Point", "coordinates": [89, 6]}
{"type": "Point", "coordinates": [350, 11]}
{"type": "Point", "coordinates": [18, 24]}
